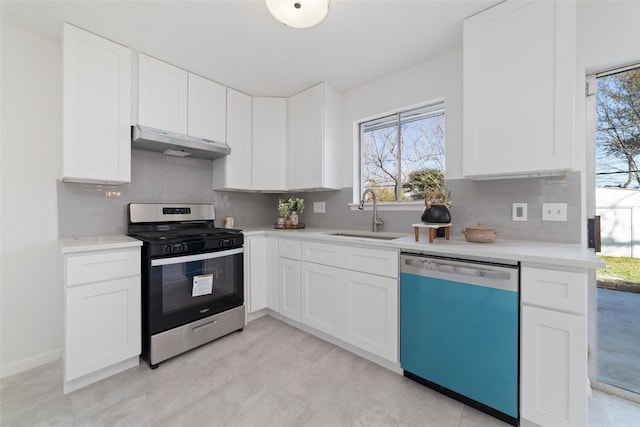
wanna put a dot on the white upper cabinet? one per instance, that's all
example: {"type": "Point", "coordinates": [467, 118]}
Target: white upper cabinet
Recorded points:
{"type": "Point", "coordinates": [234, 171]}
{"type": "Point", "coordinates": [312, 139]}
{"type": "Point", "coordinates": [97, 109]}
{"type": "Point", "coordinates": [162, 95]}
{"type": "Point", "coordinates": [269, 156]}
{"type": "Point", "coordinates": [519, 76]}
{"type": "Point", "coordinates": [207, 109]}
{"type": "Point", "coordinates": [172, 99]}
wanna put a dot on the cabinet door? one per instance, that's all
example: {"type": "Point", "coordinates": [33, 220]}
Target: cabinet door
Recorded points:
{"type": "Point", "coordinates": [207, 109]}
{"type": "Point", "coordinates": [289, 288]}
{"type": "Point", "coordinates": [102, 325]}
{"type": "Point", "coordinates": [371, 313]}
{"type": "Point", "coordinates": [261, 280]}
{"type": "Point", "coordinates": [162, 95]}
{"type": "Point", "coordinates": [272, 273]}
{"type": "Point", "coordinates": [97, 109]}
{"type": "Point", "coordinates": [553, 368]}
{"type": "Point", "coordinates": [256, 281]}
{"type": "Point", "coordinates": [269, 144]}
{"type": "Point", "coordinates": [518, 79]}
{"type": "Point", "coordinates": [234, 171]}
{"type": "Point", "coordinates": [312, 138]}
{"type": "Point", "coordinates": [321, 298]}
{"type": "Point", "coordinates": [305, 136]}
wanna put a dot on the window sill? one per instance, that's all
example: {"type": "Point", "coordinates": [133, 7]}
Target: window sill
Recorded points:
{"type": "Point", "coordinates": [391, 206]}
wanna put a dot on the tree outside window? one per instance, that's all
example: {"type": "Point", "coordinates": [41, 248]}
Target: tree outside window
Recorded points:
{"type": "Point", "coordinates": [402, 155]}
{"type": "Point", "coordinates": [618, 130]}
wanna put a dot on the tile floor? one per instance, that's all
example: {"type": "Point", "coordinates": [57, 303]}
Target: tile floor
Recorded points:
{"type": "Point", "coordinates": [271, 374]}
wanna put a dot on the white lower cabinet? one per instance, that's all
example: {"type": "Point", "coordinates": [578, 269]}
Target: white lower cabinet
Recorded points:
{"type": "Point", "coordinates": [102, 314]}
{"type": "Point", "coordinates": [321, 298]}
{"type": "Point", "coordinates": [554, 368]}
{"type": "Point", "coordinates": [103, 325]}
{"type": "Point", "coordinates": [553, 363]}
{"type": "Point", "coordinates": [289, 288]}
{"type": "Point", "coordinates": [330, 289]}
{"type": "Point", "coordinates": [370, 313]}
{"type": "Point", "coordinates": [351, 293]}
{"type": "Point", "coordinates": [261, 274]}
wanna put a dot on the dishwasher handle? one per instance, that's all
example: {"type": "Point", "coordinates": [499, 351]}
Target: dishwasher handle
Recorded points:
{"type": "Point", "coordinates": [426, 264]}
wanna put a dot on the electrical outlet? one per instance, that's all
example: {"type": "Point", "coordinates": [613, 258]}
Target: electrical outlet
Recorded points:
{"type": "Point", "coordinates": [519, 212]}
{"type": "Point", "coordinates": [318, 207]}
{"type": "Point", "coordinates": [554, 211]}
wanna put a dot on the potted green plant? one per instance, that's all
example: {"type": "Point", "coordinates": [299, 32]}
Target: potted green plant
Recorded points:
{"type": "Point", "coordinates": [297, 207]}
{"type": "Point", "coordinates": [283, 210]}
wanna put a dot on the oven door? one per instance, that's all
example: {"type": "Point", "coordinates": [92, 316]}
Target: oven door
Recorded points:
{"type": "Point", "coordinates": [189, 287]}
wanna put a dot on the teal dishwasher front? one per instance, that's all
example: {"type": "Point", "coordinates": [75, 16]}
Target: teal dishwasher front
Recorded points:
{"type": "Point", "coordinates": [459, 330]}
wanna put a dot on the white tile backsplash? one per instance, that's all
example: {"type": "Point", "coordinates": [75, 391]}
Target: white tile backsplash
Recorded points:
{"type": "Point", "coordinates": [87, 209]}
{"type": "Point", "coordinates": [90, 209]}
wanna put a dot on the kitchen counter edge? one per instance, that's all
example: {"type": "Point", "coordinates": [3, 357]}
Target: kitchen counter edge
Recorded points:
{"type": "Point", "coordinates": [96, 243]}
{"type": "Point", "coordinates": [548, 253]}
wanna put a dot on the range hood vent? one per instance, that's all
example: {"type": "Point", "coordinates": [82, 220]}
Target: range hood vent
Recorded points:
{"type": "Point", "coordinates": [175, 144]}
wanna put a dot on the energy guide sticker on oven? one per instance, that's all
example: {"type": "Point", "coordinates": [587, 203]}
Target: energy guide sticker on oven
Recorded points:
{"type": "Point", "coordinates": [202, 285]}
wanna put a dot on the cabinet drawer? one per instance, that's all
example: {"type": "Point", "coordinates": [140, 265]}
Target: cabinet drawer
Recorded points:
{"type": "Point", "coordinates": [289, 248]}
{"type": "Point", "coordinates": [102, 265]}
{"type": "Point", "coordinates": [321, 253]}
{"type": "Point", "coordinates": [373, 261]}
{"type": "Point", "coordinates": [555, 289]}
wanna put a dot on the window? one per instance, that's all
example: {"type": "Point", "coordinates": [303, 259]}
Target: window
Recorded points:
{"type": "Point", "coordinates": [402, 155]}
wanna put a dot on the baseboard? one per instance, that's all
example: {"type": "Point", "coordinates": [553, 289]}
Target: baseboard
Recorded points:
{"type": "Point", "coordinates": [96, 376]}
{"type": "Point", "coordinates": [257, 314]}
{"type": "Point", "coordinates": [30, 363]}
{"type": "Point", "coordinates": [394, 367]}
{"type": "Point", "coordinates": [615, 391]}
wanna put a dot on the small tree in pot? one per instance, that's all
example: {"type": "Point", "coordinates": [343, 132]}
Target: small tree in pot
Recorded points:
{"type": "Point", "coordinates": [283, 210]}
{"type": "Point", "coordinates": [297, 207]}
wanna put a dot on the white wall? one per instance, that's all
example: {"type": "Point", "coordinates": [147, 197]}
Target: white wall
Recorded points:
{"type": "Point", "coordinates": [31, 274]}
{"type": "Point", "coordinates": [440, 77]}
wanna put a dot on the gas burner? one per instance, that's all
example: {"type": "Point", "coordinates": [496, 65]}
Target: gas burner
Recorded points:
{"type": "Point", "coordinates": [173, 229]}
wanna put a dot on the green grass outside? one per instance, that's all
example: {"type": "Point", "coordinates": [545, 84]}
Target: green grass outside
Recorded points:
{"type": "Point", "coordinates": [623, 269]}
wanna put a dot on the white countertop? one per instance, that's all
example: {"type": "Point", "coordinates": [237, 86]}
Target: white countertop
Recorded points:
{"type": "Point", "coordinates": [550, 253]}
{"type": "Point", "coordinates": [97, 243]}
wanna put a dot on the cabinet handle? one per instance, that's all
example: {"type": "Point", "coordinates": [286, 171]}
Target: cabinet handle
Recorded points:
{"type": "Point", "coordinates": [204, 325]}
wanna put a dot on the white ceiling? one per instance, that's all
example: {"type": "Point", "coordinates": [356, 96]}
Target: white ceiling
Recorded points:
{"type": "Point", "coordinates": [238, 43]}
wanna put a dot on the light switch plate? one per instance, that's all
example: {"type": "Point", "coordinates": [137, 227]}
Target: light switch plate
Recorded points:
{"type": "Point", "coordinates": [519, 212]}
{"type": "Point", "coordinates": [554, 211]}
{"type": "Point", "coordinates": [318, 207]}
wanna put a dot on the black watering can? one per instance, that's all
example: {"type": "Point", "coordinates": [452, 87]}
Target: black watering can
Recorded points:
{"type": "Point", "coordinates": [437, 213]}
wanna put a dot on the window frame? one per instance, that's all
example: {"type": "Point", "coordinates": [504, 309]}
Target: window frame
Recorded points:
{"type": "Point", "coordinates": [436, 104]}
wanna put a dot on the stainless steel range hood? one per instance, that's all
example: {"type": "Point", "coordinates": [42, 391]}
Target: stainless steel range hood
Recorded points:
{"type": "Point", "coordinates": [175, 144]}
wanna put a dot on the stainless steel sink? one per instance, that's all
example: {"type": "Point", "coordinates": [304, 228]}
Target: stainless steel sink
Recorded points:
{"type": "Point", "coordinates": [367, 235]}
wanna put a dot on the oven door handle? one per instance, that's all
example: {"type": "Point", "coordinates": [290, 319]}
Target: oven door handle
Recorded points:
{"type": "Point", "coordinates": [196, 257]}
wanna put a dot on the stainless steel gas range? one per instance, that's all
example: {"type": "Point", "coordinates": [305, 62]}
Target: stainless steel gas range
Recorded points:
{"type": "Point", "coordinates": [192, 277]}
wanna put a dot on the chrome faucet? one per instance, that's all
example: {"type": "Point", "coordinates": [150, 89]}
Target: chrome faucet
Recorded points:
{"type": "Point", "coordinates": [376, 221]}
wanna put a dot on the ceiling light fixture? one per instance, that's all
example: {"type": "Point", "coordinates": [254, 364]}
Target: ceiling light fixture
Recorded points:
{"type": "Point", "coordinates": [299, 13]}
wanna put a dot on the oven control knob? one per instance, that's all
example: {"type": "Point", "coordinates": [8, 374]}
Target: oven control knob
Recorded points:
{"type": "Point", "coordinates": [167, 249]}
{"type": "Point", "coordinates": [183, 247]}
{"type": "Point", "coordinates": [220, 243]}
